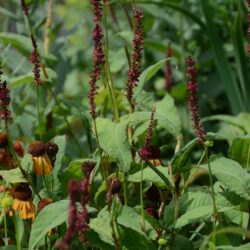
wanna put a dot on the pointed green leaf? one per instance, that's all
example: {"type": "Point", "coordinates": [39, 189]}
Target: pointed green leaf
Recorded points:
{"type": "Point", "coordinates": [232, 176]}
{"type": "Point", "coordinates": [113, 140]}
{"type": "Point", "coordinates": [240, 150]}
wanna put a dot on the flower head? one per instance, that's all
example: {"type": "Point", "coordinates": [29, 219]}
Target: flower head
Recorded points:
{"type": "Point", "coordinates": [51, 149]}
{"type": "Point", "coordinates": [18, 148]}
{"type": "Point", "coordinates": [22, 201]}
{"type": "Point", "coordinates": [193, 100]}
{"type": "Point", "coordinates": [5, 113]}
{"type": "Point", "coordinates": [98, 55]}
{"type": "Point", "coordinates": [6, 158]}
{"type": "Point", "coordinates": [135, 67]}
{"type": "Point", "coordinates": [35, 59]}
{"type": "Point", "coordinates": [73, 217]}
{"type": "Point", "coordinates": [41, 162]}
{"type": "Point", "coordinates": [149, 151]}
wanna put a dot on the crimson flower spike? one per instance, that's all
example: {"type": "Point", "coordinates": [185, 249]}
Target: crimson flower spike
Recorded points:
{"type": "Point", "coordinates": [35, 56]}
{"type": "Point", "coordinates": [168, 73]}
{"type": "Point", "coordinates": [248, 30]}
{"type": "Point", "coordinates": [149, 151]}
{"type": "Point", "coordinates": [192, 87]}
{"type": "Point", "coordinates": [98, 55]}
{"type": "Point", "coordinates": [136, 60]}
{"type": "Point", "coordinates": [72, 230]}
{"type": "Point", "coordinates": [5, 113]}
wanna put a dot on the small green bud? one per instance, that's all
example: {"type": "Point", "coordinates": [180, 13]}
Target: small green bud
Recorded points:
{"type": "Point", "coordinates": [209, 143]}
{"type": "Point", "coordinates": [162, 242]}
{"type": "Point", "coordinates": [6, 201]}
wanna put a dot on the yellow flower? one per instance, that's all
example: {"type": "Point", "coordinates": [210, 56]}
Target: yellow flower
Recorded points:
{"type": "Point", "coordinates": [26, 208]}
{"type": "Point", "coordinates": [22, 201]}
{"type": "Point", "coordinates": [41, 162]}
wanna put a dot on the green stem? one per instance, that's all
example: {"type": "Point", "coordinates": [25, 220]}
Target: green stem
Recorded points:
{"type": "Point", "coordinates": [47, 187]}
{"type": "Point", "coordinates": [18, 163]}
{"type": "Point", "coordinates": [161, 175]}
{"type": "Point", "coordinates": [125, 191]}
{"type": "Point", "coordinates": [248, 158]}
{"type": "Point", "coordinates": [141, 198]}
{"type": "Point", "coordinates": [104, 174]}
{"type": "Point", "coordinates": [215, 213]}
{"type": "Point", "coordinates": [38, 112]}
{"type": "Point", "coordinates": [18, 243]}
{"type": "Point", "coordinates": [5, 229]}
{"type": "Point", "coordinates": [108, 73]}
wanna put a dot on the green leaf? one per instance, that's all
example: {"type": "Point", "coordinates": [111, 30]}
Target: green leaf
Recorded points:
{"type": "Point", "coordinates": [50, 217]}
{"type": "Point", "coordinates": [129, 218]}
{"type": "Point", "coordinates": [151, 176]}
{"type": "Point", "coordinates": [146, 75]}
{"type": "Point", "coordinates": [20, 42]}
{"type": "Point", "coordinates": [168, 115]}
{"type": "Point", "coordinates": [113, 140]}
{"type": "Point", "coordinates": [72, 172]}
{"type": "Point", "coordinates": [8, 13]}
{"type": "Point", "coordinates": [101, 225]}
{"type": "Point", "coordinates": [242, 120]}
{"type": "Point", "coordinates": [242, 247]}
{"type": "Point", "coordinates": [95, 241]}
{"type": "Point", "coordinates": [17, 81]}
{"type": "Point", "coordinates": [13, 176]}
{"type": "Point", "coordinates": [179, 8]}
{"type": "Point", "coordinates": [60, 141]}
{"type": "Point", "coordinates": [241, 57]}
{"type": "Point", "coordinates": [165, 120]}
{"type": "Point", "coordinates": [223, 66]}
{"type": "Point", "coordinates": [240, 150]}
{"type": "Point", "coordinates": [194, 206]}
{"type": "Point", "coordinates": [232, 176]}
{"type": "Point", "coordinates": [194, 215]}
{"type": "Point", "coordinates": [181, 243]}
{"type": "Point", "coordinates": [181, 158]}
{"type": "Point", "coordinates": [27, 163]}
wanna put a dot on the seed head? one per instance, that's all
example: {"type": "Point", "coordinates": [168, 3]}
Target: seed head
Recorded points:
{"type": "Point", "coordinates": [193, 100]}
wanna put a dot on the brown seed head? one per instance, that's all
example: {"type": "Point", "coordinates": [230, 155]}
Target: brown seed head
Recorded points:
{"type": "Point", "coordinates": [37, 148]}
{"type": "Point", "coordinates": [51, 149]}
{"type": "Point", "coordinates": [3, 140]}
{"type": "Point", "coordinates": [22, 192]}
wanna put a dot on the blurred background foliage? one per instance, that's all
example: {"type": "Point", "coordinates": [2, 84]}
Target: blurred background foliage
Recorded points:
{"type": "Point", "coordinates": [213, 31]}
